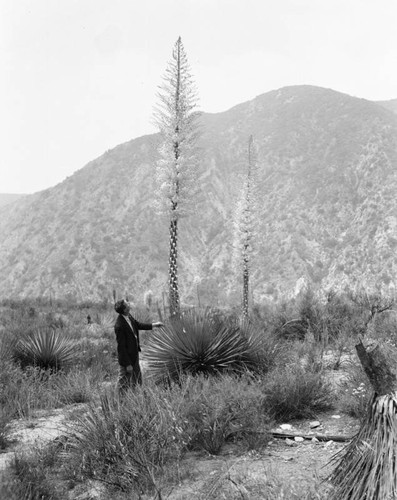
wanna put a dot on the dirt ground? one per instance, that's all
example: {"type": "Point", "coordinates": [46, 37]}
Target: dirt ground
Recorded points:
{"type": "Point", "coordinates": [27, 433]}
{"type": "Point", "coordinates": [300, 465]}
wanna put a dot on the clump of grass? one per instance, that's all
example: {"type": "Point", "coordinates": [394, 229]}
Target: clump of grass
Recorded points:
{"type": "Point", "coordinates": [28, 390]}
{"type": "Point", "coordinates": [294, 392]}
{"type": "Point", "coordinates": [226, 408]}
{"type": "Point", "coordinates": [76, 387]}
{"type": "Point", "coordinates": [19, 390]}
{"type": "Point", "coordinates": [22, 392]}
{"type": "Point", "coordinates": [34, 475]}
{"type": "Point", "coordinates": [126, 445]}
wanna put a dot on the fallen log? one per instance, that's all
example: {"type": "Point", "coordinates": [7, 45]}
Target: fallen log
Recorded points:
{"type": "Point", "coordinates": [285, 435]}
{"type": "Point", "coordinates": [320, 437]}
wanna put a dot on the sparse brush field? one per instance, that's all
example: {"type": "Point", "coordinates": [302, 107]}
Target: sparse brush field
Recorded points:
{"type": "Point", "coordinates": [201, 426]}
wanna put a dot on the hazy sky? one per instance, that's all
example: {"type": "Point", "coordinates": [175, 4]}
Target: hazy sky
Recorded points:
{"type": "Point", "coordinates": [80, 76]}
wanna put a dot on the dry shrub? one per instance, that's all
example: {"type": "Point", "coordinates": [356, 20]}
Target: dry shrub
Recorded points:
{"type": "Point", "coordinates": [294, 392]}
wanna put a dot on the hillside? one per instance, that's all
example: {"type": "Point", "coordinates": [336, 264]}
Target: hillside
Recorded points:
{"type": "Point", "coordinates": [328, 211]}
{"type": "Point", "coordinates": [6, 198]}
{"type": "Point", "coordinates": [391, 105]}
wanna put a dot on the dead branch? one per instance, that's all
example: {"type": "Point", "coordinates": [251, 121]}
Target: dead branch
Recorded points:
{"type": "Point", "coordinates": [320, 437]}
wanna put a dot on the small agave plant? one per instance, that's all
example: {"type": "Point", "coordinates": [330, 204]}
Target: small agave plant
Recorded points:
{"type": "Point", "coordinates": [201, 343]}
{"type": "Point", "coordinates": [48, 349]}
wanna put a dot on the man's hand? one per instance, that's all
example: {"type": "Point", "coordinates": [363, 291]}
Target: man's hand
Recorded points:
{"type": "Point", "coordinates": [157, 324]}
{"type": "Point", "coordinates": [129, 369]}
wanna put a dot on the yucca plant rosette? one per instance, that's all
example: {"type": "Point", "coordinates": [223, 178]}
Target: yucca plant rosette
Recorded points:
{"type": "Point", "coordinates": [47, 348]}
{"type": "Point", "coordinates": [200, 343]}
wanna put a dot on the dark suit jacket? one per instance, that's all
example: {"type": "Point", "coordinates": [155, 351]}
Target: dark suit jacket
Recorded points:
{"type": "Point", "coordinates": [127, 339]}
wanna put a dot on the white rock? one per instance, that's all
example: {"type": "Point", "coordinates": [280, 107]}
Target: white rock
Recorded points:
{"type": "Point", "coordinates": [314, 424]}
{"type": "Point", "coordinates": [289, 442]}
{"type": "Point", "coordinates": [335, 416]}
{"type": "Point", "coordinates": [286, 427]}
{"type": "Point", "coordinates": [315, 440]}
{"type": "Point", "coordinates": [299, 439]}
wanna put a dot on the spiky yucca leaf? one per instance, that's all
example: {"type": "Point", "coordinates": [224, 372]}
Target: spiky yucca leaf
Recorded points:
{"type": "Point", "coordinates": [6, 348]}
{"type": "Point", "coordinates": [106, 320]}
{"type": "Point", "coordinates": [200, 343]}
{"type": "Point", "coordinates": [46, 348]}
{"type": "Point", "coordinates": [367, 469]}
{"type": "Point", "coordinates": [264, 349]}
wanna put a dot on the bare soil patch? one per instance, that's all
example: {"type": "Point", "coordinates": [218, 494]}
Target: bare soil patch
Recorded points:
{"type": "Point", "coordinates": [25, 434]}
{"type": "Point", "coordinates": [246, 475]}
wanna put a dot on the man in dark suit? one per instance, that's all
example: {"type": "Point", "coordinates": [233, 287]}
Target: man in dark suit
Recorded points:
{"type": "Point", "coordinates": [128, 348]}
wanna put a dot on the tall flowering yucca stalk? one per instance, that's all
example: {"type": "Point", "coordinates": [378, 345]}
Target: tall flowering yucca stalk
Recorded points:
{"type": "Point", "coordinates": [245, 223]}
{"type": "Point", "coordinates": [176, 168]}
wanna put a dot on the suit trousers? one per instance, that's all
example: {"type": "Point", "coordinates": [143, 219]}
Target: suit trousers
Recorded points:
{"type": "Point", "coordinates": [129, 380]}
